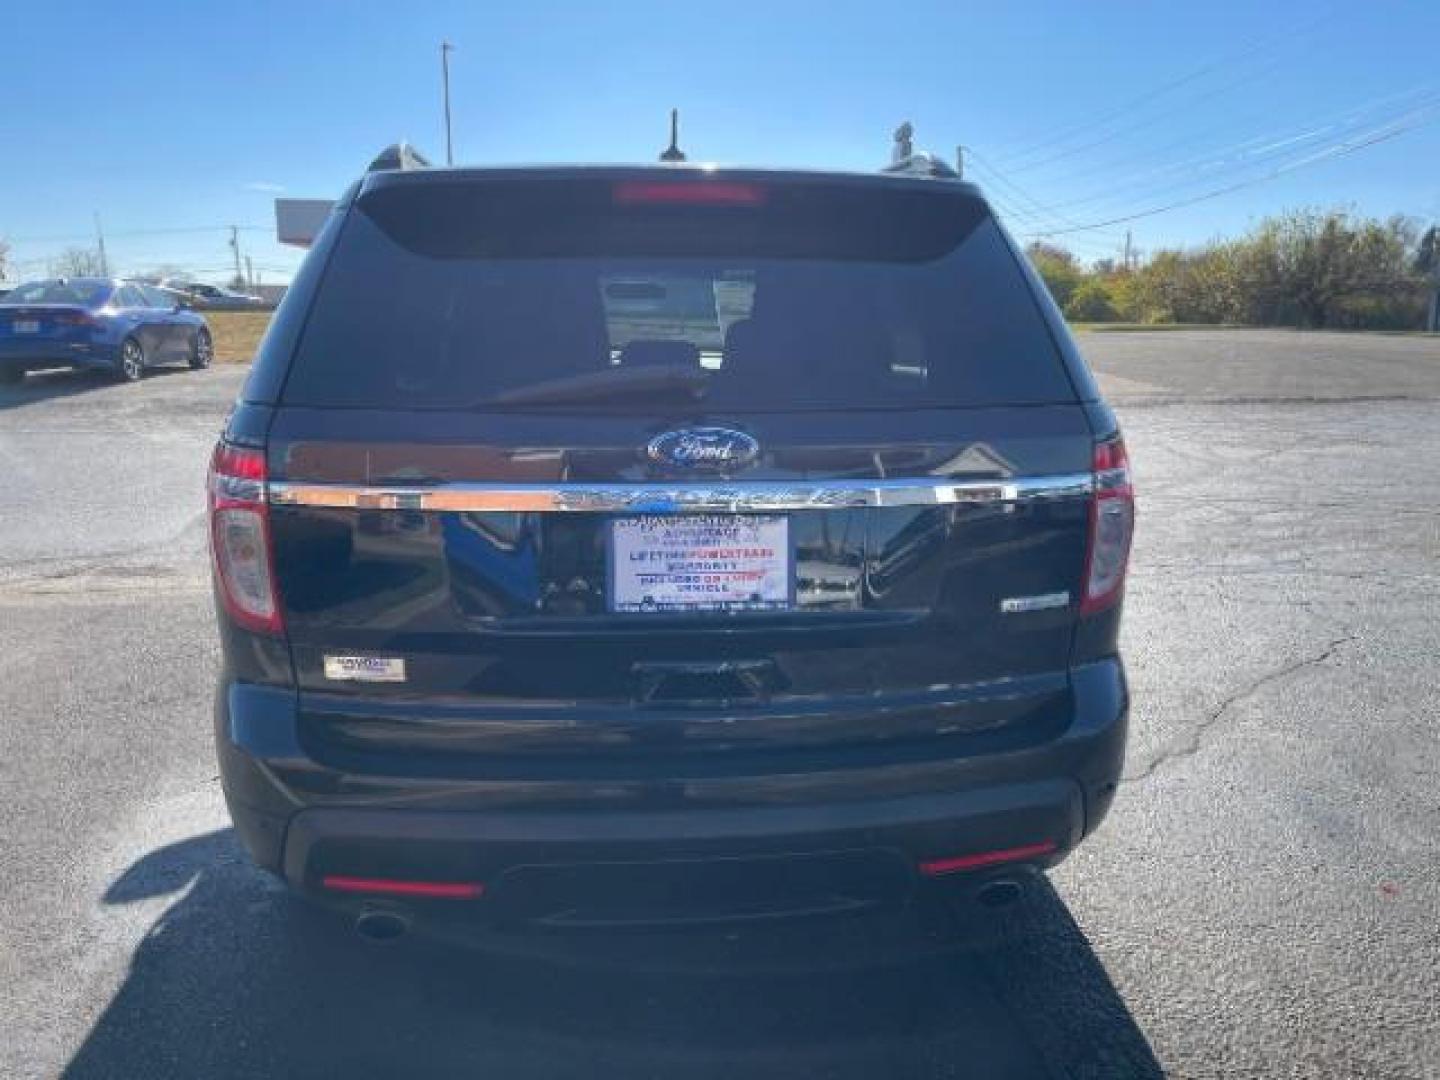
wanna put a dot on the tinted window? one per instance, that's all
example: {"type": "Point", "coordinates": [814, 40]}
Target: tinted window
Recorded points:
{"type": "Point", "coordinates": [157, 298]}
{"type": "Point", "coordinates": [128, 296]}
{"type": "Point", "coordinates": [90, 294]}
{"type": "Point", "coordinates": [444, 297]}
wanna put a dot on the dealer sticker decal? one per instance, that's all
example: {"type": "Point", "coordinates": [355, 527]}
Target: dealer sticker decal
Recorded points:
{"type": "Point", "coordinates": [365, 668]}
{"type": "Point", "coordinates": [715, 562]}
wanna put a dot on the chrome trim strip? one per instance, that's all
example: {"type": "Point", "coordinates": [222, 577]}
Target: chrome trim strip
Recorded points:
{"type": "Point", "coordinates": [661, 498]}
{"type": "Point", "coordinates": [1110, 479]}
{"type": "Point", "coordinates": [1013, 605]}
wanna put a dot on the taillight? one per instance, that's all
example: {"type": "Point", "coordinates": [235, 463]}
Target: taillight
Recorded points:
{"type": "Point", "coordinates": [74, 318]}
{"type": "Point", "coordinates": [432, 890]}
{"type": "Point", "coordinates": [688, 193]}
{"type": "Point", "coordinates": [240, 539]}
{"type": "Point", "coordinates": [1112, 523]}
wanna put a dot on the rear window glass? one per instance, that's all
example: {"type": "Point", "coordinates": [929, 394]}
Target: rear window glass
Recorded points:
{"type": "Point", "coordinates": [563, 296]}
{"type": "Point", "coordinates": [83, 293]}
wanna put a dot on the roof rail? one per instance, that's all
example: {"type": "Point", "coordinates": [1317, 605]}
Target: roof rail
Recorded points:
{"type": "Point", "coordinates": [399, 155]}
{"type": "Point", "coordinates": [922, 163]}
{"type": "Point", "coordinates": [905, 160]}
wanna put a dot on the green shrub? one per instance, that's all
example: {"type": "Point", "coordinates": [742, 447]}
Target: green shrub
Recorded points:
{"type": "Point", "coordinates": [1059, 268]}
{"type": "Point", "coordinates": [1091, 303]}
{"type": "Point", "coordinates": [1301, 268]}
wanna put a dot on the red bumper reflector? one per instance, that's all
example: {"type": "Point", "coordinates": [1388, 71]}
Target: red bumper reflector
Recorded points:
{"type": "Point", "coordinates": [439, 890]}
{"type": "Point", "coordinates": [936, 867]}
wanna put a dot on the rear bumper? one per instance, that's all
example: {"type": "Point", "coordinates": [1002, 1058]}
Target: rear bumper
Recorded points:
{"type": "Point", "coordinates": [560, 853]}
{"type": "Point", "coordinates": [583, 869]}
{"type": "Point", "coordinates": [42, 354]}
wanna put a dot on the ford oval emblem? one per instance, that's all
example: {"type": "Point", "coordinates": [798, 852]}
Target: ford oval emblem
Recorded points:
{"type": "Point", "coordinates": [713, 448]}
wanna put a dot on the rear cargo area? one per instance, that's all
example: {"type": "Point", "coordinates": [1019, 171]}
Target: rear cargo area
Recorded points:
{"type": "Point", "coordinates": [608, 470]}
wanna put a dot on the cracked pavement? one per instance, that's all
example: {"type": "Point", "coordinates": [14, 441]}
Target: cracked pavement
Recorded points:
{"type": "Point", "coordinates": [1261, 901]}
{"type": "Point", "coordinates": [1202, 729]}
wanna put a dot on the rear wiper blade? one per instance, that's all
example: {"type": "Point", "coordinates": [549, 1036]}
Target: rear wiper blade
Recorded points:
{"type": "Point", "coordinates": [618, 382]}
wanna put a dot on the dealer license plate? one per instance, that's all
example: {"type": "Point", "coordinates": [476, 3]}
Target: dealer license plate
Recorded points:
{"type": "Point", "coordinates": [701, 562]}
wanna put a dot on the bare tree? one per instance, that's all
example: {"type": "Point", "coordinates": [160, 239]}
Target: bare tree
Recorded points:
{"type": "Point", "coordinates": [4, 259]}
{"type": "Point", "coordinates": [162, 272]}
{"type": "Point", "coordinates": [76, 262]}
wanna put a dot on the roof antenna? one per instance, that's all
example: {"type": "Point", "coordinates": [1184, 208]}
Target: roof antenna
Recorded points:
{"type": "Point", "coordinates": [673, 152]}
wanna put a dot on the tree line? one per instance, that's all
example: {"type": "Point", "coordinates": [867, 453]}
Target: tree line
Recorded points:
{"type": "Point", "coordinates": [1327, 269]}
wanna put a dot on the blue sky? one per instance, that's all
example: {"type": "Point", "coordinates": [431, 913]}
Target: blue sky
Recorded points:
{"type": "Point", "coordinates": [193, 116]}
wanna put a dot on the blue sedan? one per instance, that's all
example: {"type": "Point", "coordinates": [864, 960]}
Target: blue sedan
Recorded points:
{"type": "Point", "coordinates": [120, 327]}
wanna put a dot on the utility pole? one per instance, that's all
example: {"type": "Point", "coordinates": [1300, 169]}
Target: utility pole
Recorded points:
{"type": "Point", "coordinates": [1427, 262]}
{"type": "Point", "coordinates": [235, 247]}
{"type": "Point", "coordinates": [249, 273]}
{"type": "Point", "coordinates": [445, 50]}
{"type": "Point", "coordinates": [960, 162]}
{"type": "Point", "coordinates": [1127, 251]}
{"type": "Point", "coordinates": [100, 243]}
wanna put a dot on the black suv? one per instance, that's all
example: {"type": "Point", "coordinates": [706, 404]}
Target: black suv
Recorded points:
{"type": "Point", "coordinates": [614, 546]}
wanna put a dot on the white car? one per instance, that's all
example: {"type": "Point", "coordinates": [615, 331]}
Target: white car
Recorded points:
{"type": "Point", "coordinates": [215, 297]}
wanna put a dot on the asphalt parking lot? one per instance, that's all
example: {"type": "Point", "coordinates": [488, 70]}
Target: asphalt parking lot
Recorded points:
{"type": "Point", "coordinates": [1262, 900]}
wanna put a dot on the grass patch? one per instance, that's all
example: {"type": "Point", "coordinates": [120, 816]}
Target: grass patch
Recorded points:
{"type": "Point", "coordinates": [1123, 328]}
{"type": "Point", "coordinates": [236, 334]}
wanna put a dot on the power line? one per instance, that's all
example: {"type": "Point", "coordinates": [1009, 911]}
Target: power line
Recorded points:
{"type": "Point", "coordinates": [1019, 192]}
{"type": "Point", "coordinates": [1060, 135]}
{"type": "Point", "coordinates": [1006, 211]}
{"type": "Point", "coordinates": [1327, 125]}
{"type": "Point", "coordinates": [178, 231]}
{"type": "Point", "coordinates": [1010, 210]}
{"type": "Point", "coordinates": [1088, 246]}
{"type": "Point", "coordinates": [1145, 121]}
{"type": "Point", "coordinates": [1342, 150]}
{"type": "Point", "coordinates": [1038, 213]}
{"type": "Point", "coordinates": [1277, 150]}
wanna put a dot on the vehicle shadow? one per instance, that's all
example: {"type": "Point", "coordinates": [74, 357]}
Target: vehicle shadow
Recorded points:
{"type": "Point", "coordinates": [55, 383]}
{"type": "Point", "coordinates": [237, 979]}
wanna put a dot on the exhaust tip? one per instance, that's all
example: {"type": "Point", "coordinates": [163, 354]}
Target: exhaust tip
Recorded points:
{"type": "Point", "coordinates": [381, 926]}
{"type": "Point", "coordinates": [1000, 893]}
